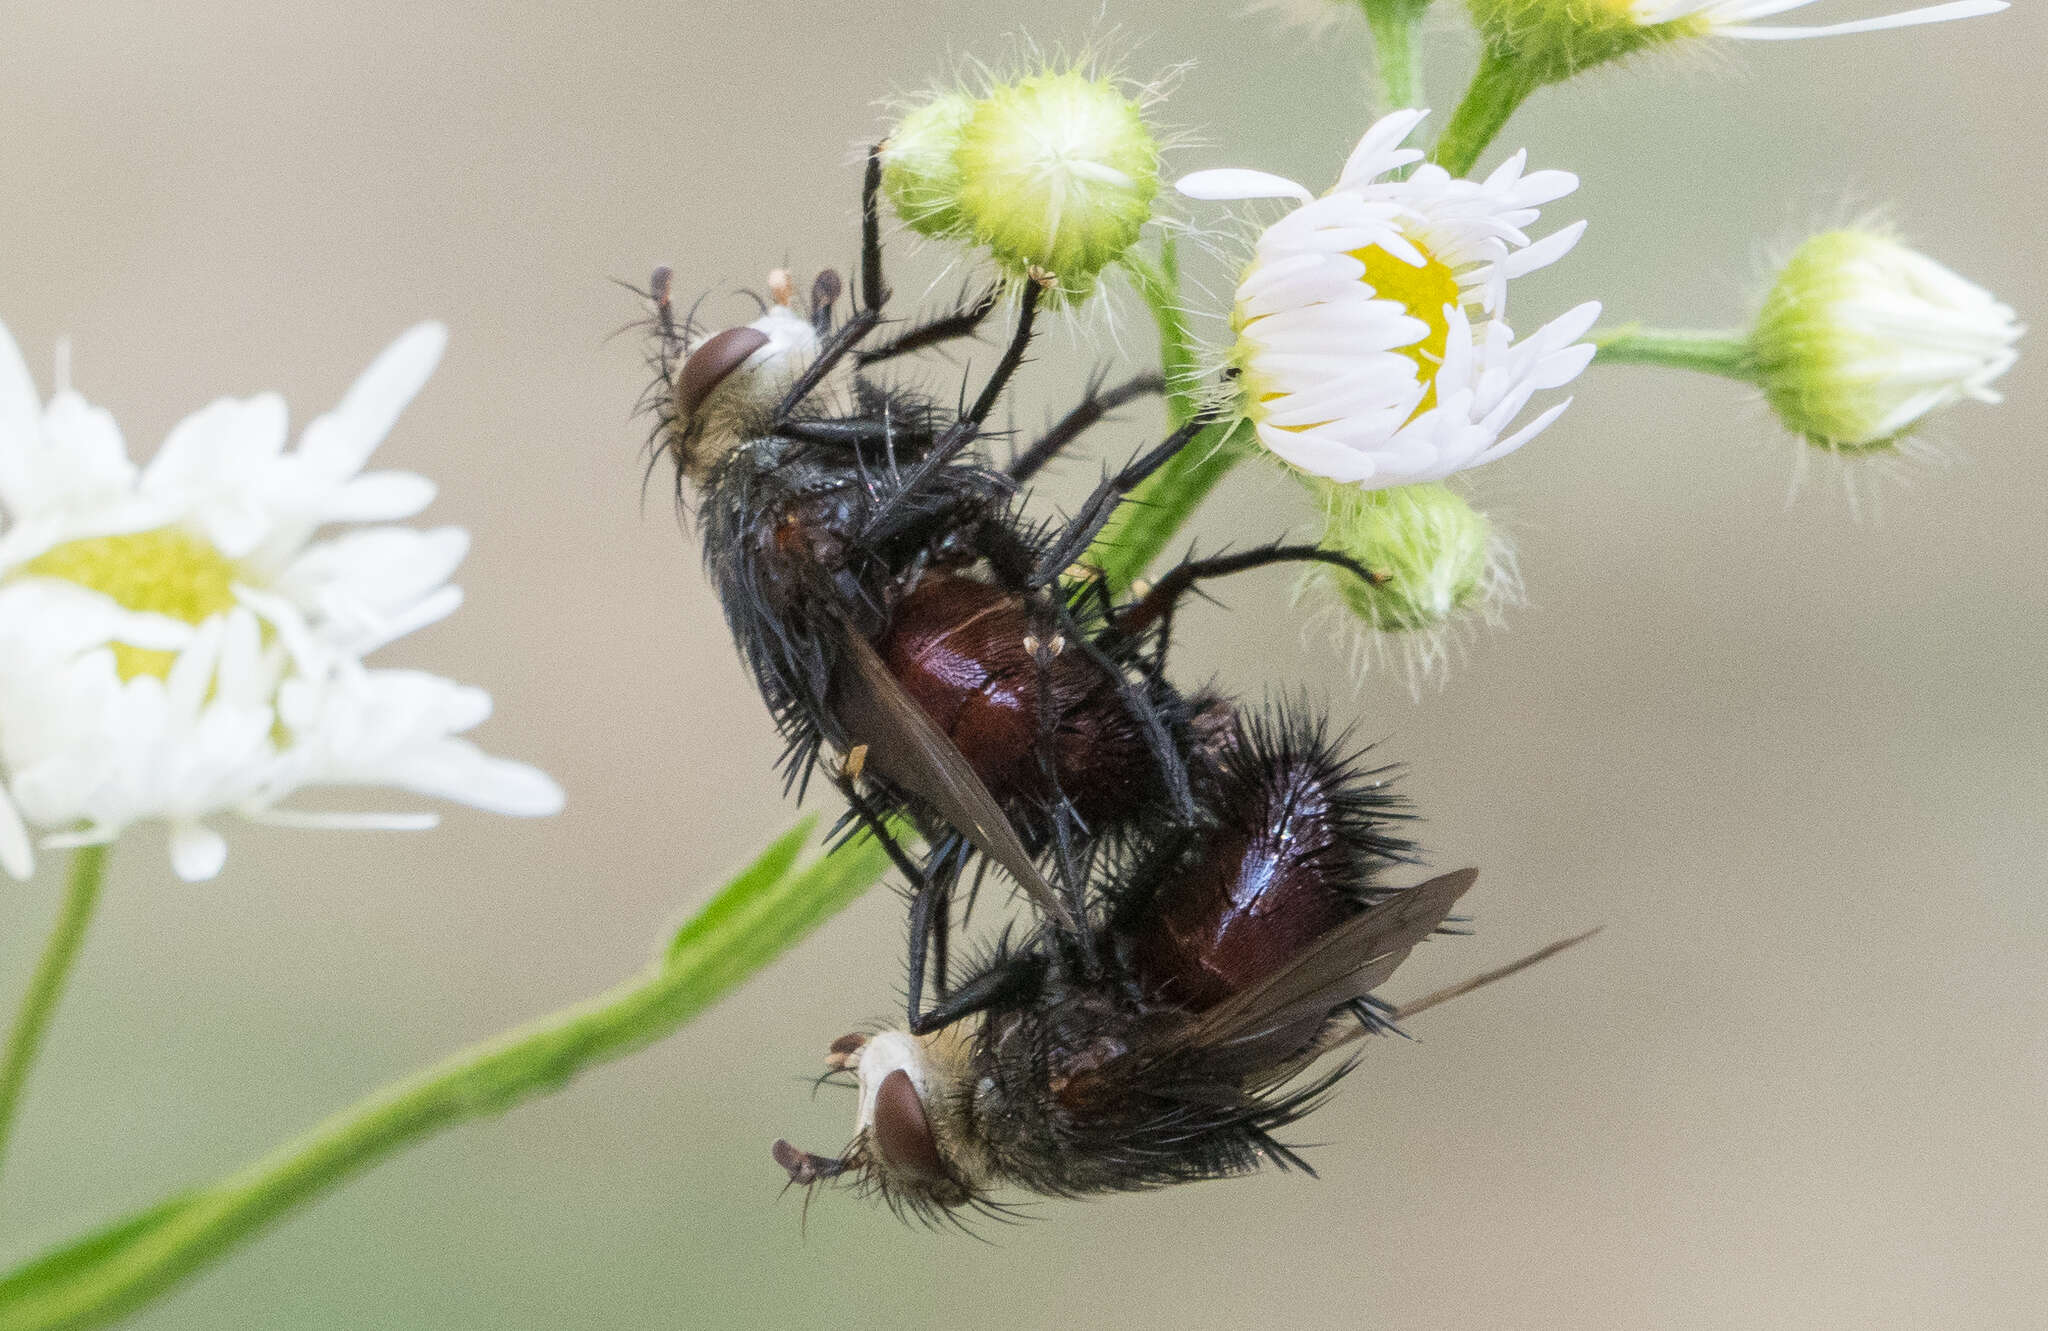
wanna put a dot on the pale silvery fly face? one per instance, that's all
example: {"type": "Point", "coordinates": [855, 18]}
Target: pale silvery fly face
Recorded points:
{"type": "Point", "coordinates": [729, 381]}
{"type": "Point", "coordinates": [911, 1141]}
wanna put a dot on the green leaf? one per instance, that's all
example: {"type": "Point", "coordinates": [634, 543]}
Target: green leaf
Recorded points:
{"type": "Point", "coordinates": [769, 868]}
{"type": "Point", "coordinates": [62, 1265]}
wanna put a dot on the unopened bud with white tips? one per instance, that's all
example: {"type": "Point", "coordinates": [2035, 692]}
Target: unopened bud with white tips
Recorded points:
{"type": "Point", "coordinates": [1861, 338]}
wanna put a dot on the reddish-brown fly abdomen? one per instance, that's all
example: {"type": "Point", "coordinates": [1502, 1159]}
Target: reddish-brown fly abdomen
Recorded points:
{"type": "Point", "coordinates": [1262, 885]}
{"type": "Point", "coordinates": [958, 647]}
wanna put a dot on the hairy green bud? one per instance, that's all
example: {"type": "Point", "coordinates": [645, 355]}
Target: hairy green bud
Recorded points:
{"type": "Point", "coordinates": [920, 175]}
{"type": "Point", "coordinates": [1056, 177]}
{"type": "Point", "coordinates": [1430, 553]}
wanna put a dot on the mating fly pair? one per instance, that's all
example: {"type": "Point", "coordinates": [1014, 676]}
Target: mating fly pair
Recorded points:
{"type": "Point", "coordinates": [1217, 898]}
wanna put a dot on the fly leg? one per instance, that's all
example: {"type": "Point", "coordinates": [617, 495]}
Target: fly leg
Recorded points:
{"type": "Point", "coordinates": [964, 321]}
{"type": "Point", "coordinates": [1157, 604]}
{"type": "Point", "coordinates": [873, 295]}
{"type": "Point", "coordinates": [963, 430]}
{"type": "Point", "coordinates": [1049, 640]}
{"type": "Point", "coordinates": [930, 893]}
{"type": "Point", "coordinates": [1080, 533]}
{"type": "Point", "coordinates": [1007, 983]}
{"type": "Point", "coordinates": [930, 934]}
{"type": "Point", "coordinates": [1096, 404]}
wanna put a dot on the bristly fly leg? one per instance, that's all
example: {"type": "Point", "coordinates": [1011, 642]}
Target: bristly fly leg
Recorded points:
{"type": "Point", "coordinates": [964, 430]}
{"type": "Point", "coordinates": [1158, 603]}
{"type": "Point", "coordinates": [1097, 403]}
{"type": "Point", "coordinates": [962, 322]}
{"type": "Point", "coordinates": [873, 295]}
{"type": "Point", "coordinates": [1095, 513]}
{"type": "Point", "coordinates": [1009, 982]}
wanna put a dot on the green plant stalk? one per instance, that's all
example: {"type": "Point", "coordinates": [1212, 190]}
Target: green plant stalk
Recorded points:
{"type": "Point", "coordinates": [1722, 352]}
{"type": "Point", "coordinates": [1141, 528]}
{"type": "Point", "coordinates": [757, 916]}
{"type": "Point", "coordinates": [1159, 286]}
{"type": "Point", "coordinates": [46, 986]}
{"type": "Point", "coordinates": [1397, 57]}
{"type": "Point", "coordinates": [1499, 86]}
{"type": "Point", "coordinates": [1158, 509]}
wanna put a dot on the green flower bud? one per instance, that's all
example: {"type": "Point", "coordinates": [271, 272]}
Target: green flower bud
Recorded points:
{"type": "Point", "coordinates": [1860, 338]}
{"type": "Point", "coordinates": [1551, 40]}
{"type": "Point", "coordinates": [1431, 554]}
{"type": "Point", "coordinates": [919, 171]}
{"type": "Point", "coordinates": [1057, 173]}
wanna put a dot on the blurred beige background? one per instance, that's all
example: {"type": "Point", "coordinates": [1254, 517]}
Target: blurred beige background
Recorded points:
{"type": "Point", "coordinates": [1792, 760]}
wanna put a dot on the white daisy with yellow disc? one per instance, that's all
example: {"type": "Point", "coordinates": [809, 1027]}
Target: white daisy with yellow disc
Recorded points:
{"type": "Point", "coordinates": [1372, 342]}
{"type": "Point", "coordinates": [185, 640]}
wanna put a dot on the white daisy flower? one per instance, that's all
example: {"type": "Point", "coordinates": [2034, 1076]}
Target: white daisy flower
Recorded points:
{"type": "Point", "coordinates": [1737, 18]}
{"type": "Point", "coordinates": [176, 644]}
{"type": "Point", "coordinates": [1372, 344]}
{"type": "Point", "coordinates": [1862, 337]}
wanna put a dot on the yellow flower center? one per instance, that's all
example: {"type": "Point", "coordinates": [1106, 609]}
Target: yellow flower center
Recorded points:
{"type": "Point", "coordinates": [168, 571]}
{"type": "Point", "coordinates": [1426, 293]}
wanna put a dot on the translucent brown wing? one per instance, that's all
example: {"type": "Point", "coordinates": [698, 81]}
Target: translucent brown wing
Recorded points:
{"type": "Point", "coordinates": [907, 748]}
{"type": "Point", "coordinates": [1348, 962]}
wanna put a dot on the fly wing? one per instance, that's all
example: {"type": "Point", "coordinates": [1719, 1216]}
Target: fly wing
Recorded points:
{"type": "Point", "coordinates": [1348, 962]}
{"type": "Point", "coordinates": [906, 747]}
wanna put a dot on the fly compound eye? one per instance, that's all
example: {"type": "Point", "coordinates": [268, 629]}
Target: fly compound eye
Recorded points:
{"type": "Point", "coordinates": [902, 1132]}
{"type": "Point", "coordinates": [711, 363]}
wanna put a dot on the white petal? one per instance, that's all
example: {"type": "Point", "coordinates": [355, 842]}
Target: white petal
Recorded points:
{"type": "Point", "coordinates": [1381, 139]}
{"type": "Point", "coordinates": [457, 770]}
{"type": "Point", "coordinates": [1545, 251]}
{"type": "Point", "coordinates": [1238, 183]}
{"type": "Point", "coordinates": [219, 442]}
{"type": "Point", "coordinates": [88, 836]}
{"type": "Point", "coordinates": [21, 409]}
{"type": "Point", "coordinates": [197, 852]}
{"type": "Point", "coordinates": [17, 856]}
{"type": "Point", "coordinates": [430, 609]}
{"type": "Point", "coordinates": [95, 457]}
{"type": "Point", "coordinates": [1525, 434]}
{"type": "Point", "coordinates": [384, 567]}
{"type": "Point", "coordinates": [316, 820]}
{"type": "Point", "coordinates": [1908, 18]}
{"type": "Point", "coordinates": [1570, 326]}
{"type": "Point", "coordinates": [338, 444]}
{"type": "Point", "coordinates": [380, 496]}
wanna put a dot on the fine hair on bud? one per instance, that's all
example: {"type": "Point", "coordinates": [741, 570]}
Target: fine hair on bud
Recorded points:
{"type": "Point", "coordinates": [1439, 566]}
{"type": "Point", "coordinates": [1051, 168]}
{"type": "Point", "coordinates": [1549, 41]}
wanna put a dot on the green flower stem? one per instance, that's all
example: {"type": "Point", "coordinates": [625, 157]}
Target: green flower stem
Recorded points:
{"type": "Point", "coordinates": [758, 915]}
{"type": "Point", "coordinates": [1141, 529]}
{"type": "Point", "coordinates": [46, 987]}
{"type": "Point", "coordinates": [1159, 508]}
{"type": "Point", "coordinates": [1397, 56]}
{"type": "Point", "coordinates": [1726, 353]}
{"type": "Point", "coordinates": [1159, 285]}
{"type": "Point", "coordinates": [1499, 86]}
